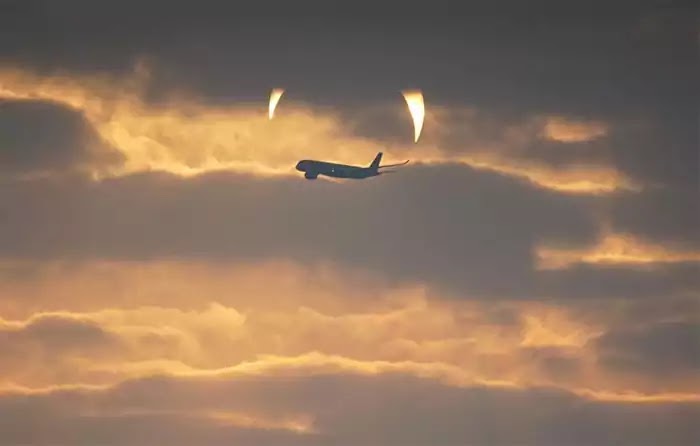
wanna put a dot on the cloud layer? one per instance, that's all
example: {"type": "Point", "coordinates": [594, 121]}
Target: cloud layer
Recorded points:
{"type": "Point", "coordinates": [530, 278]}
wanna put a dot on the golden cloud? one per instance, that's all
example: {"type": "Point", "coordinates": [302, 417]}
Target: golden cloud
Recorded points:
{"type": "Point", "coordinates": [558, 128]}
{"type": "Point", "coordinates": [186, 137]}
{"type": "Point", "coordinates": [611, 249]}
{"type": "Point", "coordinates": [314, 363]}
{"type": "Point", "coordinates": [192, 320]}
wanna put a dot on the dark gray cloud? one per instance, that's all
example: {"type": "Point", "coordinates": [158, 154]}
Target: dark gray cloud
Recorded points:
{"type": "Point", "coordinates": [665, 349]}
{"type": "Point", "coordinates": [51, 339]}
{"type": "Point", "coordinates": [543, 55]}
{"type": "Point", "coordinates": [660, 150]}
{"type": "Point", "coordinates": [59, 332]}
{"type": "Point", "coordinates": [395, 226]}
{"type": "Point", "coordinates": [38, 136]}
{"type": "Point", "coordinates": [476, 240]}
{"type": "Point", "coordinates": [381, 410]}
{"type": "Point", "coordinates": [668, 216]}
{"type": "Point", "coordinates": [585, 281]}
{"type": "Point", "coordinates": [647, 312]}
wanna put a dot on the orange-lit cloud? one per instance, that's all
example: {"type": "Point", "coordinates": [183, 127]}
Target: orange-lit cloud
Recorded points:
{"type": "Point", "coordinates": [276, 347]}
{"type": "Point", "coordinates": [565, 130]}
{"type": "Point", "coordinates": [186, 137]}
{"type": "Point", "coordinates": [575, 179]}
{"type": "Point", "coordinates": [552, 327]}
{"type": "Point", "coordinates": [614, 248]}
{"type": "Point", "coordinates": [318, 364]}
{"type": "Point", "coordinates": [120, 321]}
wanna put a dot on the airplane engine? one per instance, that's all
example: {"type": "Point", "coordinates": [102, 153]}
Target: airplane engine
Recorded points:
{"type": "Point", "coordinates": [310, 175]}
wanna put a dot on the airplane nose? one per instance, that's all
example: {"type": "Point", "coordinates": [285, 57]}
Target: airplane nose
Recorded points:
{"type": "Point", "coordinates": [300, 166]}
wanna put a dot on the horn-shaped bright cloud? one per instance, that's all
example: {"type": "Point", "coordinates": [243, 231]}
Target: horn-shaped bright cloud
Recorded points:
{"type": "Point", "coordinates": [416, 106]}
{"type": "Point", "coordinates": [275, 96]}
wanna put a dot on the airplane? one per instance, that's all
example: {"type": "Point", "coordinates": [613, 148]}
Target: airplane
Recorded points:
{"type": "Point", "coordinates": [312, 169]}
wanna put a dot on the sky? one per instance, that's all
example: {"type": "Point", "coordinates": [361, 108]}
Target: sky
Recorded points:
{"type": "Point", "coordinates": [531, 277]}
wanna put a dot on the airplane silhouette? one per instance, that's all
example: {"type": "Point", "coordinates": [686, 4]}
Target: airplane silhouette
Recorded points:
{"type": "Point", "coordinates": [312, 169]}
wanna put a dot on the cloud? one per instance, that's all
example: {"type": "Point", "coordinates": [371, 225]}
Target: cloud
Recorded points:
{"type": "Point", "coordinates": [165, 277]}
{"type": "Point", "coordinates": [40, 137]}
{"type": "Point", "coordinates": [510, 144]}
{"type": "Point", "coordinates": [29, 288]}
{"type": "Point", "coordinates": [563, 130]}
{"type": "Point", "coordinates": [202, 319]}
{"type": "Point", "coordinates": [186, 136]}
{"type": "Point", "coordinates": [615, 249]}
{"type": "Point", "coordinates": [459, 242]}
{"type": "Point", "coordinates": [475, 56]}
{"type": "Point", "coordinates": [56, 331]}
{"type": "Point", "coordinates": [402, 330]}
{"type": "Point", "coordinates": [342, 409]}
{"type": "Point", "coordinates": [585, 281]}
{"type": "Point", "coordinates": [670, 216]}
{"type": "Point", "coordinates": [660, 349]}
{"type": "Point", "coordinates": [59, 340]}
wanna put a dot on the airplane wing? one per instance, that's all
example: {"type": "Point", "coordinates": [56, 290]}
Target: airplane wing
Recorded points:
{"type": "Point", "coordinates": [395, 165]}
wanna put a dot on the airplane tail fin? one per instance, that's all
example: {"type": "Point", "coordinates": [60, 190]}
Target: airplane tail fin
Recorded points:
{"type": "Point", "coordinates": [377, 160]}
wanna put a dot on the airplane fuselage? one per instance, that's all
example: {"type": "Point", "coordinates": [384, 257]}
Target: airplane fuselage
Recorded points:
{"type": "Point", "coordinates": [312, 169]}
